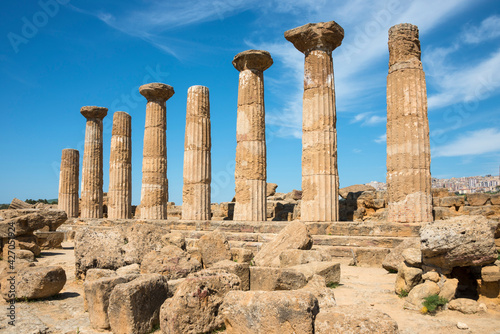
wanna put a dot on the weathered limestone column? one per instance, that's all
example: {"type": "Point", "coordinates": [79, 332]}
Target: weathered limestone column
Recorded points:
{"type": "Point", "coordinates": [92, 162]}
{"type": "Point", "coordinates": [197, 161]}
{"type": "Point", "coordinates": [320, 180]}
{"type": "Point", "coordinates": [68, 182]}
{"type": "Point", "coordinates": [250, 170]}
{"type": "Point", "coordinates": [154, 192]}
{"type": "Point", "coordinates": [120, 168]}
{"type": "Point", "coordinates": [408, 147]}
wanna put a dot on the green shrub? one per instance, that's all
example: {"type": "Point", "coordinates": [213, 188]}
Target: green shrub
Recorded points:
{"type": "Point", "coordinates": [432, 302]}
{"type": "Point", "coordinates": [403, 293]}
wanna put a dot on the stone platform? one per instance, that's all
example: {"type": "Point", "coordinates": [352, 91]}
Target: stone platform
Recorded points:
{"type": "Point", "coordinates": [368, 242]}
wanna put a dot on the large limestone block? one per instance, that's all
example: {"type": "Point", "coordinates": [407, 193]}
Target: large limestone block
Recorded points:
{"type": "Point", "coordinates": [418, 293]}
{"type": "Point", "coordinates": [242, 270]}
{"type": "Point", "coordinates": [395, 257]}
{"type": "Point", "coordinates": [115, 247]}
{"type": "Point", "coordinates": [98, 247]}
{"type": "Point", "coordinates": [356, 189]}
{"type": "Point", "coordinates": [134, 307]}
{"type": "Point", "coordinates": [97, 294]}
{"type": "Point", "coordinates": [354, 319]}
{"type": "Point", "coordinates": [294, 236]}
{"type": "Point", "coordinates": [50, 240]}
{"type": "Point", "coordinates": [449, 288]}
{"type": "Point", "coordinates": [141, 239]}
{"type": "Point", "coordinates": [195, 306]}
{"type": "Point", "coordinates": [170, 261]}
{"type": "Point", "coordinates": [214, 247]}
{"type": "Point", "coordinates": [34, 283]}
{"type": "Point", "coordinates": [458, 242]}
{"type": "Point", "coordinates": [477, 199]}
{"type": "Point", "coordinates": [19, 204]}
{"type": "Point", "coordinates": [413, 257]}
{"type": "Point", "coordinates": [329, 270]}
{"type": "Point", "coordinates": [32, 221]}
{"type": "Point", "coordinates": [277, 312]}
{"type": "Point", "coordinates": [271, 279]}
{"type": "Point", "coordinates": [450, 201]}
{"type": "Point", "coordinates": [407, 278]}
{"type": "Point", "coordinates": [490, 273]}
{"type": "Point", "coordinates": [94, 275]}
{"type": "Point", "coordinates": [464, 305]}
{"type": "Point", "coordinates": [271, 189]}
{"type": "Point", "coordinates": [324, 295]}
{"type": "Point", "coordinates": [294, 257]}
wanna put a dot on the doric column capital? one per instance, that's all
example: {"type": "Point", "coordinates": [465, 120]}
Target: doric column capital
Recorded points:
{"type": "Point", "coordinates": [404, 45]}
{"type": "Point", "coordinates": [156, 91]}
{"type": "Point", "coordinates": [325, 36]}
{"type": "Point", "coordinates": [94, 112]}
{"type": "Point", "coordinates": [255, 60]}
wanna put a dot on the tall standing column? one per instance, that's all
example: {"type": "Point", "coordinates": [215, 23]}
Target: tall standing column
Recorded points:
{"type": "Point", "coordinates": [320, 180]}
{"type": "Point", "coordinates": [250, 170]}
{"type": "Point", "coordinates": [154, 192]}
{"type": "Point", "coordinates": [408, 147]}
{"type": "Point", "coordinates": [120, 167]}
{"type": "Point", "coordinates": [197, 161]}
{"type": "Point", "coordinates": [92, 162]}
{"type": "Point", "coordinates": [68, 182]}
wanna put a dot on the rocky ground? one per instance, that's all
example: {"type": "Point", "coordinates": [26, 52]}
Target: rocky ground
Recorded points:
{"type": "Point", "coordinates": [64, 314]}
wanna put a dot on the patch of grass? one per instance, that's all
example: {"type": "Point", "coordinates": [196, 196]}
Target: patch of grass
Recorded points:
{"type": "Point", "coordinates": [403, 293]}
{"type": "Point", "coordinates": [432, 302]}
{"type": "Point", "coordinates": [332, 285]}
{"type": "Point", "coordinates": [392, 271]}
{"type": "Point", "coordinates": [154, 329]}
{"type": "Point", "coordinates": [219, 330]}
{"type": "Point", "coordinates": [498, 251]}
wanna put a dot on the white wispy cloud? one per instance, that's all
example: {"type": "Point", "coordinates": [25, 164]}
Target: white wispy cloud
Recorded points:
{"type": "Point", "coordinates": [471, 83]}
{"type": "Point", "coordinates": [487, 30]}
{"type": "Point", "coordinates": [381, 139]}
{"type": "Point", "coordinates": [472, 143]}
{"type": "Point", "coordinates": [367, 118]}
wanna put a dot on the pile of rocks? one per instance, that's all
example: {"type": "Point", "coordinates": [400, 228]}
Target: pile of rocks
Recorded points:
{"type": "Point", "coordinates": [141, 275]}
{"type": "Point", "coordinates": [455, 259]}
{"type": "Point", "coordinates": [29, 231]}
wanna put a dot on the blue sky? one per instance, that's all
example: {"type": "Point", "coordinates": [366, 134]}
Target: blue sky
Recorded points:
{"type": "Point", "coordinates": [57, 56]}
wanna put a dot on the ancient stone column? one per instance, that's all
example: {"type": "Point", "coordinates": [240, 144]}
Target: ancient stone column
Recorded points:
{"type": "Point", "coordinates": [92, 163]}
{"type": "Point", "coordinates": [250, 170]}
{"type": "Point", "coordinates": [197, 161]}
{"type": "Point", "coordinates": [320, 180]}
{"type": "Point", "coordinates": [408, 147]}
{"type": "Point", "coordinates": [154, 192]}
{"type": "Point", "coordinates": [120, 167]}
{"type": "Point", "coordinates": [68, 182]}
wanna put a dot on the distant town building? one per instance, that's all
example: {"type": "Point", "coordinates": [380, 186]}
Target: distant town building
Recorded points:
{"type": "Point", "coordinates": [468, 185]}
{"type": "Point", "coordinates": [462, 185]}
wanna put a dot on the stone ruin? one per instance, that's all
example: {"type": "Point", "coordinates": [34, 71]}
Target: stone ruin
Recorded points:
{"type": "Point", "coordinates": [265, 262]}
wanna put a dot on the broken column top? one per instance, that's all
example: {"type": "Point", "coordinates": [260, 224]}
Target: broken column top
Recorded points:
{"type": "Point", "coordinates": [94, 112]}
{"type": "Point", "coordinates": [316, 36]}
{"type": "Point", "coordinates": [156, 91]}
{"type": "Point", "coordinates": [259, 60]}
{"type": "Point", "coordinates": [404, 44]}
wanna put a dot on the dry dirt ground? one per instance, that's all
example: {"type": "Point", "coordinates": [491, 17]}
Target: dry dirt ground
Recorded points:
{"type": "Point", "coordinates": [373, 287]}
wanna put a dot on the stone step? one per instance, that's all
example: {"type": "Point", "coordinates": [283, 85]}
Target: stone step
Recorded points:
{"type": "Point", "coordinates": [325, 228]}
{"type": "Point", "coordinates": [320, 240]}
{"type": "Point", "coordinates": [365, 256]}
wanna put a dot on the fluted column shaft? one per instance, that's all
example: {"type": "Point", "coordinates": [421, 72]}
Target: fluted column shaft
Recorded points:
{"type": "Point", "coordinates": [68, 182]}
{"type": "Point", "coordinates": [92, 163]}
{"type": "Point", "coordinates": [120, 168]}
{"type": "Point", "coordinates": [320, 180]}
{"type": "Point", "coordinates": [154, 192]}
{"type": "Point", "coordinates": [408, 146]}
{"type": "Point", "coordinates": [250, 169]}
{"type": "Point", "coordinates": [197, 160]}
